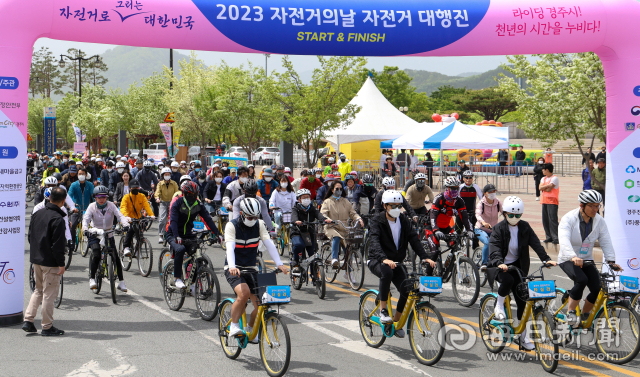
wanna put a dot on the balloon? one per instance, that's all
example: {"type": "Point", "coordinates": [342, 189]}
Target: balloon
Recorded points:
{"type": "Point", "coordinates": [455, 115]}
{"type": "Point", "coordinates": [492, 122]}
{"type": "Point", "coordinates": [485, 122]}
{"type": "Point", "coordinates": [479, 124]}
{"type": "Point", "coordinates": [436, 117]}
{"type": "Point", "coordinates": [499, 124]}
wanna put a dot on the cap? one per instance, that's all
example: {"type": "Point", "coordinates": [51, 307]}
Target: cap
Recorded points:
{"type": "Point", "coordinates": [73, 169]}
{"type": "Point", "coordinates": [268, 172]}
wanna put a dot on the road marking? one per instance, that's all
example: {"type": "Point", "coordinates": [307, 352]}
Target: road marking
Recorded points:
{"type": "Point", "coordinates": [92, 368]}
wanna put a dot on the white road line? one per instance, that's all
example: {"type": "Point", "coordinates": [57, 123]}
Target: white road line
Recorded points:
{"type": "Point", "coordinates": [92, 368]}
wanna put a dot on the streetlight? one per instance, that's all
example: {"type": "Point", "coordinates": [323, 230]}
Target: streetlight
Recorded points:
{"type": "Point", "coordinates": [80, 59]}
{"type": "Point", "coordinates": [266, 56]}
{"type": "Point", "coordinates": [403, 109]}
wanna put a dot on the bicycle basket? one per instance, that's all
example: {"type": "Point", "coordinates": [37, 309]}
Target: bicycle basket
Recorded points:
{"type": "Point", "coordinates": [270, 292]}
{"type": "Point", "coordinates": [355, 236]}
{"type": "Point", "coordinates": [623, 284]}
{"type": "Point", "coordinates": [537, 290]}
{"type": "Point", "coordinates": [430, 284]}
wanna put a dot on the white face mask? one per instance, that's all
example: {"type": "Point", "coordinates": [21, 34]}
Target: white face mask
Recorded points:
{"type": "Point", "coordinates": [109, 170]}
{"type": "Point", "coordinates": [305, 202]}
{"type": "Point", "coordinates": [244, 180]}
{"type": "Point", "coordinates": [284, 185]}
{"type": "Point", "coordinates": [395, 212]}
{"type": "Point", "coordinates": [201, 180]}
{"type": "Point", "coordinates": [65, 160]}
{"type": "Point", "coordinates": [287, 174]}
{"type": "Point", "coordinates": [166, 177]}
{"type": "Point", "coordinates": [218, 180]}
{"type": "Point", "coordinates": [512, 221]}
{"type": "Point", "coordinates": [492, 196]}
{"type": "Point", "coordinates": [318, 176]}
{"type": "Point", "coordinates": [120, 170]}
{"type": "Point", "coordinates": [249, 223]}
{"type": "Point", "coordinates": [541, 162]}
{"type": "Point", "coordinates": [268, 179]}
{"type": "Point", "coordinates": [81, 178]}
{"type": "Point", "coordinates": [174, 169]}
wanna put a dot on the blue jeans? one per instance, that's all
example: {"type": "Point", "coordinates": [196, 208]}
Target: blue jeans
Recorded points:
{"type": "Point", "coordinates": [335, 247]}
{"type": "Point", "coordinates": [518, 168]}
{"type": "Point", "coordinates": [484, 238]}
{"type": "Point", "coordinates": [277, 216]}
{"type": "Point", "coordinates": [299, 249]}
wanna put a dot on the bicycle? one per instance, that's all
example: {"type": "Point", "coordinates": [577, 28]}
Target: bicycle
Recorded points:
{"type": "Point", "coordinates": [424, 322]}
{"type": "Point", "coordinates": [108, 267]}
{"type": "Point", "coordinates": [352, 262]}
{"type": "Point", "coordinates": [221, 218]}
{"type": "Point", "coordinates": [272, 331]}
{"type": "Point", "coordinates": [282, 237]}
{"type": "Point", "coordinates": [610, 313]}
{"type": "Point", "coordinates": [477, 259]}
{"type": "Point", "coordinates": [465, 283]}
{"type": "Point", "coordinates": [141, 248]}
{"type": "Point", "coordinates": [420, 227]}
{"type": "Point", "coordinates": [80, 241]}
{"type": "Point", "coordinates": [536, 292]}
{"type": "Point", "coordinates": [165, 253]}
{"type": "Point", "coordinates": [312, 266]}
{"type": "Point", "coordinates": [32, 285]}
{"type": "Point", "coordinates": [198, 272]}
{"type": "Point", "coordinates": [366, 241]}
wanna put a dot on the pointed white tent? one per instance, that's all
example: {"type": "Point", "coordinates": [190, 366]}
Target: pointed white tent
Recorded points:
{"type": "Point", "coordinates": [377, 119]}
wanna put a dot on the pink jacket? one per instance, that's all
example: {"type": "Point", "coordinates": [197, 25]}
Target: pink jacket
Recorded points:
{"type": "Point", "coordinates": [488, 213]}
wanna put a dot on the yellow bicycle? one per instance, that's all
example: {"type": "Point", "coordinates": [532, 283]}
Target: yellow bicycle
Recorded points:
{"type": "Point", "coordinates": [283, 242]}
{"type": "Point", "coordinates": [425, 322]}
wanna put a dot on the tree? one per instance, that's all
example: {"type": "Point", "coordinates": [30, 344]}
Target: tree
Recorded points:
{"type": "Point", "coordinates": [564, 98]}
{"type": "Point", "coordinates": [36, 114]}
{"type": "Point", "coordinates": [95, 117]}
{"type": "Point", "coordinates": [44, 78]}
{"type": "Point", "coordinates": [488, 103]}
{"type": "Point", "coordinates": [312, 111]}
{"type": "Point", "coordinates": [90, 74]}
{"type": "Point", "coordinates": [442, 98]}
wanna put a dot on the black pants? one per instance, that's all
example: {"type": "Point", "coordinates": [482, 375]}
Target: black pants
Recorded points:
{"type": "Point", "coordinates": [460, 226]}
{"type": "Point", "coordinates": [430, 177]}
{"type": "Point", "coordinates": [422, 211]}
{"type": "Point", "coordinates": [550, 222]}
{"type": "Point", "coordinates": [128, 237]}
{"type": "Point", "coordinates": [387, 275]}
{"type": "Point", "coordinates": [508, 282]}
{"type": "Point", "coordinates": [587, 276]}
{"type": "Point", "coordinates": [536, 182]}
{"type": "Point", "coordinates": [75, 219]}
{"type": "Point", "coordinates": [178, 253]}
{"type": "Point", "coordinates": [94, 245]}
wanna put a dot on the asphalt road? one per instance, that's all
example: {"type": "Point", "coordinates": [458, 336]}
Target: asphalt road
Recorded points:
{"type": "Point", "coordinates": [141, 336]}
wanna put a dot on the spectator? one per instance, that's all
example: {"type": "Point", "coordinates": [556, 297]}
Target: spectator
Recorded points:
{"type": "Point", "coordinates": [548, 156]}
{"type": "Point", "coordinates": [390, 168]}
{"type": "Point", "coordinates": [586, 174]}
{"type": "Point", "coordinates": [520, 156]}
{"type": "Point", "coordinates": [587, 156]}
{"type": "Point", "coordinates": [537, 176]}
{"type": "Point", "coordinates": [47, 247]}
{"type": "Point", "coordinates": [602, 154]}
{"type": "Point", "coordinates": [403, 161]}
{"type": "Point", "coordinates": [414, 161]}
{"type": "Point", "coordinates": [599, 177]}
{"type": "Point", "coordinates": [550, 187]}
{"type": "Point", "coordinates": [503, 158]}
{"type": "Point", "coordinates": [428, 163]}
{"type": "Point", "coordinates": [383, 159]}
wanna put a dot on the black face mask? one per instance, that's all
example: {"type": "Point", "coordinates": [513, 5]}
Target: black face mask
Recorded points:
{"type": "Point", "coordinates": [343, 159]}
{"type": "Point", "coordinates": [190, 198]}
{"type": "Point", "coordinates": [135, 191]}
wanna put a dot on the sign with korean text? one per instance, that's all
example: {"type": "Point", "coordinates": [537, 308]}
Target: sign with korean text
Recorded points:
{"type": "Point", "coordinates": [79, 147]}
{"type": "Point", "coordinates": [49, 131]}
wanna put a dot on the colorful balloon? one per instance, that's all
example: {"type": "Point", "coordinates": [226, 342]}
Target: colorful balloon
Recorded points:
{"type": "Point", "coordinates": [436, 117]}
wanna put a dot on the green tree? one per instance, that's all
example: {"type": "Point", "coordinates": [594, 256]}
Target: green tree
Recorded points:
{"type": "Point", "coordinates": [44, 79]}
{"type": "Point", "coordinates": [441, 98]}
{"type": "Point", "coordinates": [90, 73]}
{"type": "Point", "coordinates": [488, 103]}
{"type": "Point", "coordinates": [95, 117]}
{"type": "Point", "coordinates": [36, 114]}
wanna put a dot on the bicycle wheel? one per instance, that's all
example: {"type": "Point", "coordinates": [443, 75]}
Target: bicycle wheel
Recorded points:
{"type": "Point", "coordinates": [173, 296]}
{"type": "Point", "coordinates": [165, 256]}
{"type": "Point", "coordinates": [371, 332]}
{"type": "Point", "coordinates": [365, 248]}
{"type": "Point", "coordinates": [112, 277]}
{"type": "Point", "coordinates": [261, 266]}
{"type": "Point", "coordinates": [229, 345]}
{"type": "Point", "coordinates": [144, 253]}
{"type": "Point", "coordinates": [207, 293]}
{"type": "Point", "coordinates": [329, 272]}
{"type": "Point", "coordinates": [424, 333]}
{"type": "Point", "coordinates": [58, 300]}
{"type": "Point", "coordinates": [477, 260]}
{"type": "Point", "coordinates": [69, 256]}
{"type": "Point", "coordinates": [321, 284]}
{"type": "Point", "coordinates": [275, 345]}
{"type": "Point", "coordinates": [618, 340]}
{"type": "Point", "coordinates": [546, 339]}
{"type": "Point", "coordinates": [493, 337]}
{"type": "Point", "coordinates": [296, 277]}
{"type": "Point", "coordinates": [635, 305]}
{"type": "Point", "coordinates": [99, 277]}
{"type": "Point", "coordinates": [280, 243]}
{"type": "Point", "coordinates": [355, 269]}
{"type": "Point", "coordinates": [81, 241]}
{"type": "Point", "coordinates": [30, 192]}
{"type": "Point", "coordinates": [559, 314]}
{"type": "Point", "coordinates": [32, 278]}
{"type": "Point", "coordinates": [126, 261]}
{"type": "Point", "coordinates": [465, 282]}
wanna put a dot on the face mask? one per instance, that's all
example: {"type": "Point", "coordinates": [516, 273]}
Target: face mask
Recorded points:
{"type": "Point", "coordinates": [268, 179]}
{"type": "Point", "coordinates": [200, 180]}
{"type": "Point", "coordinates": [135, 191]}
{"type": "Point", "coordinates": [513, 221]}
{"type": "Point", "coordinates": [420, 183]}
{"type": "Point", "coordinates": [81, 178]}
{"type": "Point", "coordinates": [197, 169]}
{"type": "Point", "coordinates": [318, 176]}
{"type": "Point", "coordinates": [337, 192]}
{"type": "Point", "coordinates": [167, 177]}
{"type": "Point", "coordinates": [305, 202]}
{"type": "Point", "coordinates": [244, 180]}
{"type": "Point", "coordinates": [147, 168]}
{"type": "Point", "coordinates": [120, 170]}
{"type": "Point", "coordinates": [541, 162]}
{"type": "Point", "coordinates": [284, 185]}
{"type": "Point", "coordinates": [343, 159]}
{"type": "Point", "coordinates": [395, 212]}
{"type": "Point", "coordinates": [218, 180]}
{"type": "Point", "coordinates": [311, 178]}
{"type": "Point", "coordinates": [287, 174]}
{"type": "Point", "coordinates": [109, 170]}
{"type": "Point", "coordinates": [249, 223]}
{"type": "Point", "coordinates": [174, 169]}
{"type": "Point", "coordinates": [492, 196]}
{"type": "Point", "coordinates": [65, 160]}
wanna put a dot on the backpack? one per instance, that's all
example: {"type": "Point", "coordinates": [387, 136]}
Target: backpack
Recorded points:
{"type": "Point", "coordinates": [483, 208]}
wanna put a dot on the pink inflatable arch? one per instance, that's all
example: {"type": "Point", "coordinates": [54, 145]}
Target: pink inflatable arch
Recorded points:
{"type": "Point", "coordinates": [330, 27]}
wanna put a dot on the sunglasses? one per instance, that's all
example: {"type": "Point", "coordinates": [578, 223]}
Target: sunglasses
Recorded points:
{"type": "Point", "coordinates": [512, 215]}
{"type": "Point", "coordinates": [395, 206]}
{"type": "Point", "coordinates": [101, 196]}
{"type": "Point", "coordinates": [251, 218]}
{"type": "Point", "coordinates": [468, 177]}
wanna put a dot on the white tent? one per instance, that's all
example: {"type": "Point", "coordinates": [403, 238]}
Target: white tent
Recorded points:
{"type": "Point", "coordinates": [454, 135]}
{"type": "Point", "coordinates": [377, 119]}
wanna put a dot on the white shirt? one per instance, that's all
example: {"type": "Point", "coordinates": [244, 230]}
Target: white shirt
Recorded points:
{"type": "Point", "coordinates": [512, 256]}
{"type": "Point", "coordinates": [126, 190]}
{"type": "Point", "coordinates": [395, 230]}
{"type": "Point", "coordinates": [217, 196]}
{"type": "Point", "coordinates": [383, 159]}
{"type": "Point", "coordinates": [414, 163]}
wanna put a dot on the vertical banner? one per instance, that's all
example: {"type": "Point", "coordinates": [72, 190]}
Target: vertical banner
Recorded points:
{"type": "Point", "coordinates": [78, 132]}
{"type": "Point", "coordinates": [166, 131]}
{"type": "Point", "coordinates": [176, 139]}
{"type": "Point", "coordinates": [49, 130]}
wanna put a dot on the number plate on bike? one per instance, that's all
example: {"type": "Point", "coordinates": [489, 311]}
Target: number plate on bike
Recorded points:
{"type": "Point", "coordinates": [277, 294]}
{"type": "Point", "coordinates": [542, 289]}
{"type": "Point", "coordinates": [430, 284]}
{"type": "Point", "coordinates": [628, 284]}
{"type": "Point", "coordinates": [198, 226]}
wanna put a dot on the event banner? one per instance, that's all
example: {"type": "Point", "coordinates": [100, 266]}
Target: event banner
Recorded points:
{"type": "Point", "coordinates": [166, 132]}
{"type": "Point", "coordinates": [79, 147]}
{"type": "Point", "coordinates": [234, 162]}
{"type": "Point", "coordinates": [49, 130]}
{"type": "Point", "coordinates": [78, 132]}
{"type": "Point", "coordinates": [176, 139]}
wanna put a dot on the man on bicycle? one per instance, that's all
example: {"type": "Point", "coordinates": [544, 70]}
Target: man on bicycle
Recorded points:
{"type": "Point", "coordinates": [100, 214]}
{"type": "Point", "coordinates": [235, 189]}
{"type": "Point", "coordinates": [388, 183]}
{"type": "Point", "coordinates": [303, 237]}
{"type": "Point", "coordinates": [509, 246]}
{"type": "Point", "coordinates": [418, 193]}
{"type": "Point", "coordinates": [578, 231]}
{"type": "Point", "coordinates": [251, 191]}
{"type": "Point", "coordinates": [184, 212]}
{"type": "Point", "coordinates": [131, 206]}
{"type": "Point", "coordinates": [469, 192]}
{"type": "Point", "coordinates": [390, 234]}
{"type": "Point", "coordinates": [81, 192]}
{"type": "Point", "coordinates": [242, 236]}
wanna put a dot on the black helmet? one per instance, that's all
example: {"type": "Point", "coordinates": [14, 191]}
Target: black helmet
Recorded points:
{"type": "Point", "coordinates": [251, 188]}
{"type": "Point", "coordinates": [100, 190]}
{"type": "Point", "coordinates": [134, 184]}
{"type": "Point", "coordinates": [367, 178]}
{"type": "Point", "coordinates": [202, 174]}
{"type": "Point", "coordinates": [57, 176]}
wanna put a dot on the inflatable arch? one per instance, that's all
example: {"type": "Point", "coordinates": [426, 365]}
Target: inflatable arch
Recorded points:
{"type": "Point", "coordinates": [330, 27]}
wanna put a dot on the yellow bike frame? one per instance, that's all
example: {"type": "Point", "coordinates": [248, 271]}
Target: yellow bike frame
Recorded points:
{"type": "Point", "coordinates": [408, 308]}
{"type": "Point", "coordinates": [254, 332]}
{"type": "Point", "coordinates": [601, 301]}
{"type": "Point", "coordinates": [528, 310]}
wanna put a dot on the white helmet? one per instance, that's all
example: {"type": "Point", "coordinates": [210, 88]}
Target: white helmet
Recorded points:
{"type": "Point", "coordinates": [183, 162]}
{"type": "Point", "coordinates": [513, 204]}
{"type": "Point", "coordinates": [123, 159]}
{"type": "Point", "coordinates": [391, 196]}
{"type": "Point", "coordinates": [331, 160]}
{"type": "Point", "coordinates": [92, 159]}
{"type": "Point", "coordinates": [98, 159]}
{"type": "Point", "coordinates": [452, 182]}
{"type": "Point", "coordinates": [388, 181]}
{"type": "Point", "coordinates": [590, 196]}
{"type": "Point", "coordinates": [165, 170]}
{"type": "Point", "coordinates": [301, 192]}
{"type": "Point", "coordinates": [175, 164]}
{"type": "Point", "coordinates": [50, 181]}
{"type": "Point", "coordinates": [419, 176]}
{"type": "Point", "coordinates": [250, 207]}
{"type": "Point", "coordinates": [147, 163]}
{"type": "Point", "coordinates": [118, 157]}
{"type": "Point", "coordinates": [184, 178]}
{"type": "Point", "coordinates": [119, 165]}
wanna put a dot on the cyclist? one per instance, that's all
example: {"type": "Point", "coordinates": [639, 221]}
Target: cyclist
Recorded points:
{"type": "Point", "coordinates": [48, 182]}
{"type": "Point", "coordinates": [235, 188]}
{"type": "Point", "coordinates": [365, 198]}
{"type": "Point", "coordinates": [417, 193]}
{"type": "Point", "coordinates": [164, 194]}
{"type": "Point", "coordinates": [302, 237]}
{"type": "Point", "coordinates": [175, 173]}
{"type": "Point", "coordinates": [487, 213]}
{"type": "Point", "coordinates": [326, 186]}
{"type": "Point", "coordinates": [251, 191]}
{"type": "Point", "coordinates": [579, 230]}
{"type": "Point", "coordinates": [310, 182]}
{"type": "Point", "coordinates": [267, 184]}
{"type": "Point", "coordinates": [202, 183]}
{"type": "Point", "coordinates": [81, 192]}
{"type": "Point", "coordinates": [469, 192]}
{"type": "Point", "coordinates": [196, 169]}
{"type": "Point", "coordinates": [509, 246]}
{"type": "Point", "coordinates": [283, 198]}
{"type": "Point", "coordinates": [328, 169]}
{"type": "Point", "coordinates": [49, 170]}
{"type": "Point", "coordinates": [147, 179]}
{"type": "Point", "coordinates": [390, 234]}
{"type": "Point", "coordinates": [388, 183]}
{"type": "Point", "coordinates": [101, 215]}
{"type": "Point", "coordinates": [352, 188]}
{"type": "Point", "coordinates": [344, 167]}
{"type": "Point", "coordinates": [184, 212]}
{"type": "Point", "coordinates": [213, 192]}
{"type": "Point", "coordinates": [131, 206]}
{"type": "Point", "coordinates": [242, 236]}
{"type": "Point", "coordinates": [138, 168]}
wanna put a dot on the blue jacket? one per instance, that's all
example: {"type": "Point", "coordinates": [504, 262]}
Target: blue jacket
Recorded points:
{"type": "Point", "coordinates": [262, 185]}
{"type": "Point", "coordinates": [586, 179]}
{"type": "Point", "coordinates": [114, 179]}
{"type": "Point", "coordinates": [322, 191]}
{"type": "Point", "coordinates": [134, 172]}
{"type": "Point", "coordinates": [228, 179]}
{"type": "Point", "coordinates": [182, 218]}
{"type": "Point", "coordinates": [146, 178]}
{"type": "Point", "coordinates": [81, 199]}
{"type": "Point", "coordinates": [105, 176]}
{"type": "Point", "coordinates": [176, 177]}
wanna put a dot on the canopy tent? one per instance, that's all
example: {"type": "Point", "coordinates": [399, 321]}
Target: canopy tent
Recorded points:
{"type": "Point", "coordinates": [455, 135]}
{"type": "Point", "coordinates": [377, 119]}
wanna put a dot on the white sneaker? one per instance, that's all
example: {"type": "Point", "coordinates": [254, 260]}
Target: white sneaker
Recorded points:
{"type": "Point", "coordinates": [248, 330]}
{"type": "Point", "coordinates": [180, 284]}
{"type": "Point", "coordinates": [127, 252]}
{"type": "Point", "coordinates": [526, 342]}
{"type": "Point", "coordinates": [334, 263]}
{"type": "Point", "coordinates": [537, 198]}
{"type": "Point", "coordinates": [92, 284]}
{"type": "Point", "coordinates": [234, 329]}
{"type": "Point", "coordinates": [385, 317]}
{"type": "Point", "coordinates": [193, 289]}
{"type": "Point", "coordinates": [122, 287]}
{"type": "Point", "coordinates": [161, 240]}
{"type": "Point", "coordinates": [498, 313]}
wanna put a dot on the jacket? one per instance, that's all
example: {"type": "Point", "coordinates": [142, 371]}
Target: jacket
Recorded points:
{"type": "Point", "coordinates": [102, 218]}
{"type": "Point", "coordinates": [503, 156]}
{"type": "Point", "coordinates": [499, 245]}
{"type": "Point", "coordinates": [322, 191]}
{"type": "Point", "coordinates": [365, 198]}
{"type": "Point", "coordinates": [352, 193]}
{"type": "Point", "coordinates": [146, 178]}
{"type": "Point", "coordinates": [598, 175]}
{"type": "Point", "coordinates": [313, 187]}
{"type": "Point", "coordinates": [299, 213]}
{"type": "Point", "coordinates": [416, 197]}
{"type": "Point", "coordinates": [344, 168]}
{"type": "Point", "coordinates": [488, 213]}
{"type": "Point", "coordinates": [175, 176]}
{"type": "Point", "coordinates": [182, 218]}
{"type": "Point", "coordinates": [571, 240]}
{"type": "Point", "coordinates": [284, 200]}
{"type": "Point", "coordinates": [47, 237]}
{"type": "Point", "coordinates": [231, 192]}
{"type": "Point", "coordinates": [262, 185]}
{"type": "Point", "coordinates": [537, 172]}
{"type": "Point", "coordinates": [211, 189]}
{"type": "Point", "coordinates": [67, 180]}
{"type": "Point", "coordinates": [114, 179]}
{"type": "Point", "coordinates": [586, 179]}
{"type": "Point", "coordinates": [81, 199]}
{"type": "Point", "coordinates": [119, 193]}
{"type": "Point", "coordinates": [228, 179]}
{"type": "Point", "coordinates": [132, 205]}
{"type": "Point", "coordinates": [381, 243]}
{"type": "Point", "coordinates": [165, 190]}
{"type": "Point", "coordinates": [340, 209]}
{"type": "Point", "coordinates": [105, 176]}
{"type": "Point", "coordinates": [47, 173]}
{"type": "Point", "coordinates": [520, 156]}
{"type": "Point", "coordinates": [264, 211]}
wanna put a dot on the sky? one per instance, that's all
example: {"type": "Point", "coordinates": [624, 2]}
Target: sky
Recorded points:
{"type": "Point", "coordinates": [451, 66]}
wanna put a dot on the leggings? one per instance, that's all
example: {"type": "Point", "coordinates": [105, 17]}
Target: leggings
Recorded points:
{"type": "Point", "coordinates": [508, 282]}
{"type": "Point", "coordinates": [96, 254]}
{"type": "Point", "coordinates": [587, 276]}
{"type": "Point", "coordinates": [434, 245]}
{"type": "Point", "coordinates": [387, 275]}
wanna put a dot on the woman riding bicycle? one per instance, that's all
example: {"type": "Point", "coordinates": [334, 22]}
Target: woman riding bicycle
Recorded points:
{"type": "Point", "coordinates": [509, 246]}
{"type": "Point", "coordinates": [304, 211]}
{"type": "Point", "coordinates": [390, 234]}
{"type": "Point", "coordinates": [487, 213]}
{"type": "Point", "coordinates": [578, 231]}
{"type": "Point", "coordinates": [336, 206]}
{"type": "Point", "coordinates": [100, 215]}
{"type": "Point", "coordinates": [283, 198]}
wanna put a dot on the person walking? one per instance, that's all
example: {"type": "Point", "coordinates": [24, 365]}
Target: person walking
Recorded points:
{"type": "Point", "coordinates": [503, 158]}
{"type": "Point", "coordinates": [537, 176]}
{"type": "Point", "coordinates": [520, 156]}
{"type": "Point", "coordinates": [550, 187]}
{"type": "Point", "coordinates": [47, 246]}
{"type": "Point", "coordinates": [164, 193]}
{"type": "Point", "coordinates": [599, 178]}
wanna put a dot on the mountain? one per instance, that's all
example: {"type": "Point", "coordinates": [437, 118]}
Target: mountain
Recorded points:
{"type": "Point", "coordinates": [467, 74]}
{"type": "Point", "coordinates": [427, 82]}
